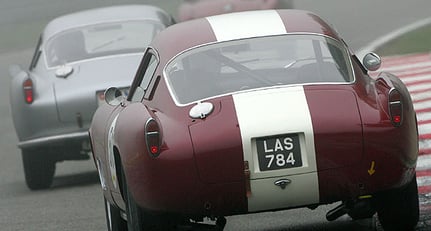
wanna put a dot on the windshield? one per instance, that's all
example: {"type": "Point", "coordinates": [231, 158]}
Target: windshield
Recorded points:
{"type": "Point", "coordinates": [233, 66]}
{"type": "Point", "coordinates": [99, 40]}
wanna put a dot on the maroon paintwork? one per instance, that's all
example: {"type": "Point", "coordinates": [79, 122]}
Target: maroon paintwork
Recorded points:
{"type": "Point", "coordinates": [351, 125]}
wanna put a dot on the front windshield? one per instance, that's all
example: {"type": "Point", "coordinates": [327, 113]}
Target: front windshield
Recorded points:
{"type": "Point", "coordinates": [99, 40]}
{"type": "Point", "coordinates": [233, 66]}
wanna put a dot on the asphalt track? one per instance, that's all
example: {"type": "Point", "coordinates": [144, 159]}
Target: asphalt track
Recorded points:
{"type": "Point", "coordinates": [75, 203]}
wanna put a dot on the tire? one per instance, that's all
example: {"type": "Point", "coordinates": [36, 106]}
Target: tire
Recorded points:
{"type": "Point", "coordinates": [114, 220]}
{"type": "Point", "coordinates": [398, 209]}
{"type": "Point", "coordinates": [39, 168]}
{"type": "Point", "coordinates": [133, 211]}
{"type": "Point", "coordinates": [362, 211]}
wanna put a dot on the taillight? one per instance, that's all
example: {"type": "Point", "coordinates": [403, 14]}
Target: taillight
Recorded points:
{"type": "Point", "coordinates": [152, 137]}
{"type": "Point", "coordinates": [27, 86]}
{"type": "Point", "coordinates": [395, 107]}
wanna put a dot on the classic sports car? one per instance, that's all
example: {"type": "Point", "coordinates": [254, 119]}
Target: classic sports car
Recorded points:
{"type": "Point", "coordinates": [256, 111]}
{"type": "Point", "coordinates": [77, 57]}
{"type": "Point", "coordinates": [191, 9]}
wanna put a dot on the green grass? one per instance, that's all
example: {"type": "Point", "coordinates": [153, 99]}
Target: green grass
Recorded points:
{"type": "Point", "coordinates": [417, 41]}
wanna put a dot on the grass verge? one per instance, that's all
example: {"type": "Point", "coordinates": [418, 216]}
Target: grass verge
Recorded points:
{"type": "Point", "coordinates": [417, 41]}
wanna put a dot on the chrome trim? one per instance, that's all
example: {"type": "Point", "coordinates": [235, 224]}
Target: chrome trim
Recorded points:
{"type": "Point", "coordinates": [92, 59]}
{"type": "Point", "coordinates": [282, 183]}
{"type": "Point", "coordinates": [148, 134]}
{"type": "Point", "coordinates": [52, 139]}
{"type": "Point", "coordinates": [400, 102]}
{"type": "Point", "coordinates": [258, 89]}
{"type": "Point", "coordinates": [152, 133]}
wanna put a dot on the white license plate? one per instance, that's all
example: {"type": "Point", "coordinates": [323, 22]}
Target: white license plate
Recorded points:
{"type": "Point", "coordinates": [279, 152]}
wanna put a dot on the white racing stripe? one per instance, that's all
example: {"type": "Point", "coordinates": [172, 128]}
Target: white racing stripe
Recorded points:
{"type": "Point", "coordinates": [277, 112]}
{"type": "Point", "coordinates": [252, 24]}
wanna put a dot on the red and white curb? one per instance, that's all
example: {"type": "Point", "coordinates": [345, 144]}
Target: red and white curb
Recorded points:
{"type": "Point", "coordinates": [415, 71]}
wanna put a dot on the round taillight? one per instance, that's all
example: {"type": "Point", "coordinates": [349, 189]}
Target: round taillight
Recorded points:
{"type": "Point", "coordinates": [154, 150]}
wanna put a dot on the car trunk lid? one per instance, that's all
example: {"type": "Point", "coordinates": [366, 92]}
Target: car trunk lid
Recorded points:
{"type": "Point", "coordinates": [284, 136]}
{"type": "Point", "coordinates": [77, 95]}
{"type": "Point", "coordinates": [291, 133]}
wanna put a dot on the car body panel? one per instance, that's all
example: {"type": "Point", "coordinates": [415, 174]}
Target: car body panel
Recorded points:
{"type": "Point", "coordinates": [253, 110]}
{"type": "Point", "coordinates": [209, 164]}
{"type": "Point", "coordinates": [342, 146]}
{"type": "Point", "coordinates": [215, 166]}
{"type": "Point", "coordinates": [69, 105]}
{"type": "Point", "coordinates": [65, 103]}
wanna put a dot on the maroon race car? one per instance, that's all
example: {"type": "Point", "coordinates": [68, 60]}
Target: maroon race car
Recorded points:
{"type": "Point", "coordinates": [255, 111]}
{"type": "Point", "coordinates": [191, 9]}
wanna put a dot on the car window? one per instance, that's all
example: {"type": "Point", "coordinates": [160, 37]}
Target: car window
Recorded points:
{"type": "Point", "coordinates": [100, 40]}
{"type": "Point", "coordinates": [232, 66]}
{"type": "Point", "coordinates": [150, 65]}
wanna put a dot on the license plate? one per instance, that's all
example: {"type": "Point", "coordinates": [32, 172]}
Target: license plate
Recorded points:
{"type": "Point", "coordinates": [100, 95]}
{"type": "Point", "coordinates": [279, 152]}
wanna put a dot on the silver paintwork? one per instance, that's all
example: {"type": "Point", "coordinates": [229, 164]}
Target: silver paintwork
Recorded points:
{"type": "Point", "coordinates": [65, 96]}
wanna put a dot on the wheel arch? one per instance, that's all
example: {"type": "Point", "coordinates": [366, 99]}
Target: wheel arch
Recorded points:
{"type": "Point", "coordinates": [119, 171]}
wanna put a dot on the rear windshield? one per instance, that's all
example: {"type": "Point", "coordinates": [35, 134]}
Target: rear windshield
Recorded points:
{"type": "Point", "coordinates": [100, 40]}
{"type": "Point", "coordinates": [233, 66]}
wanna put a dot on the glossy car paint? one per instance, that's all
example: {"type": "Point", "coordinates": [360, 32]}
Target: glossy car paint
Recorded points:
{"type": "Point", "coordinates": [343, 130]}
{"type": "Point", "coordinates": [58, 114]}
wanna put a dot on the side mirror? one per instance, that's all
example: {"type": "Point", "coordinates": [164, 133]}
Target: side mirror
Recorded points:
{"type": "Point", "coordinates": [372, 61]}
{"type": "Point", "coordinates": [113, 96]}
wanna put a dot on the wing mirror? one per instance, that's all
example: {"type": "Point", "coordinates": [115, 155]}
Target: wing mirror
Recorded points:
{"type": "Point", "coordinates": [372, 61]}
{"type": "Point", "coordinates": [113, 96]}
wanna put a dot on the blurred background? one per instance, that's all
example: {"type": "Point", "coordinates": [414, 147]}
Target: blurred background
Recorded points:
{"type": "Point", "coordinates": [75, 201]}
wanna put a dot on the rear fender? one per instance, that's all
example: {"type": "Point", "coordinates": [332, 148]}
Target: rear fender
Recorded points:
{"type": "Point", "coordinates": [385, 83]}
{"type": "Point", "coordinates": [390, 81]}
{"type": "Point", "coordinates": [130, 140]}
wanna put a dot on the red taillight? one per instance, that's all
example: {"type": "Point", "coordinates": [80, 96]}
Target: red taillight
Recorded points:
{"type": "Point", "coordinates": [154, 150]}
{"type": "Point", "coordinates": [395, 108]}
{"type": "Point", "coordinates": [152, 137]}
{"type": "Point", "coordinates": [27, 86]}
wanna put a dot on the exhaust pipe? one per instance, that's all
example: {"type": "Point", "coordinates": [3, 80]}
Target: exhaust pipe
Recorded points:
{"type": "Point", "coordinates": [337, 212]}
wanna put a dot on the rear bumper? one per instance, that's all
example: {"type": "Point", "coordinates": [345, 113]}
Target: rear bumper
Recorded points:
{"type": "Point", "coordinates": [193, 197]}
{"type": "Point", "coordinates": [54, 140]}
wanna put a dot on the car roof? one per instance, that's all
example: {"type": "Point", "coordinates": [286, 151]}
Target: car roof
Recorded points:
{"type": "Point", "coordinates": [238, 25]}
{"type": "Point", "coordinates": [106, 14]}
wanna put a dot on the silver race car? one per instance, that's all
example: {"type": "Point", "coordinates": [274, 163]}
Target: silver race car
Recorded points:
{"type": "Point", "coordinates": [77, 57]}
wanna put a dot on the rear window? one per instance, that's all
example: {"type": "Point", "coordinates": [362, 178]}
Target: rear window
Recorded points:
{"type": "Point", "coordinates": [100, 40]}
{"type": "Point", "coordinates": [233, 66]}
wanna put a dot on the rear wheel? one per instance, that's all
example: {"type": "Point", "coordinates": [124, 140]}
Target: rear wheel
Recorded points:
{"type": "Point", "coordinates": [398, 209]}
{"type": "Point", "coordinates": [39, 168]}
{"type": "Point", "coordinates": [113, 218]}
